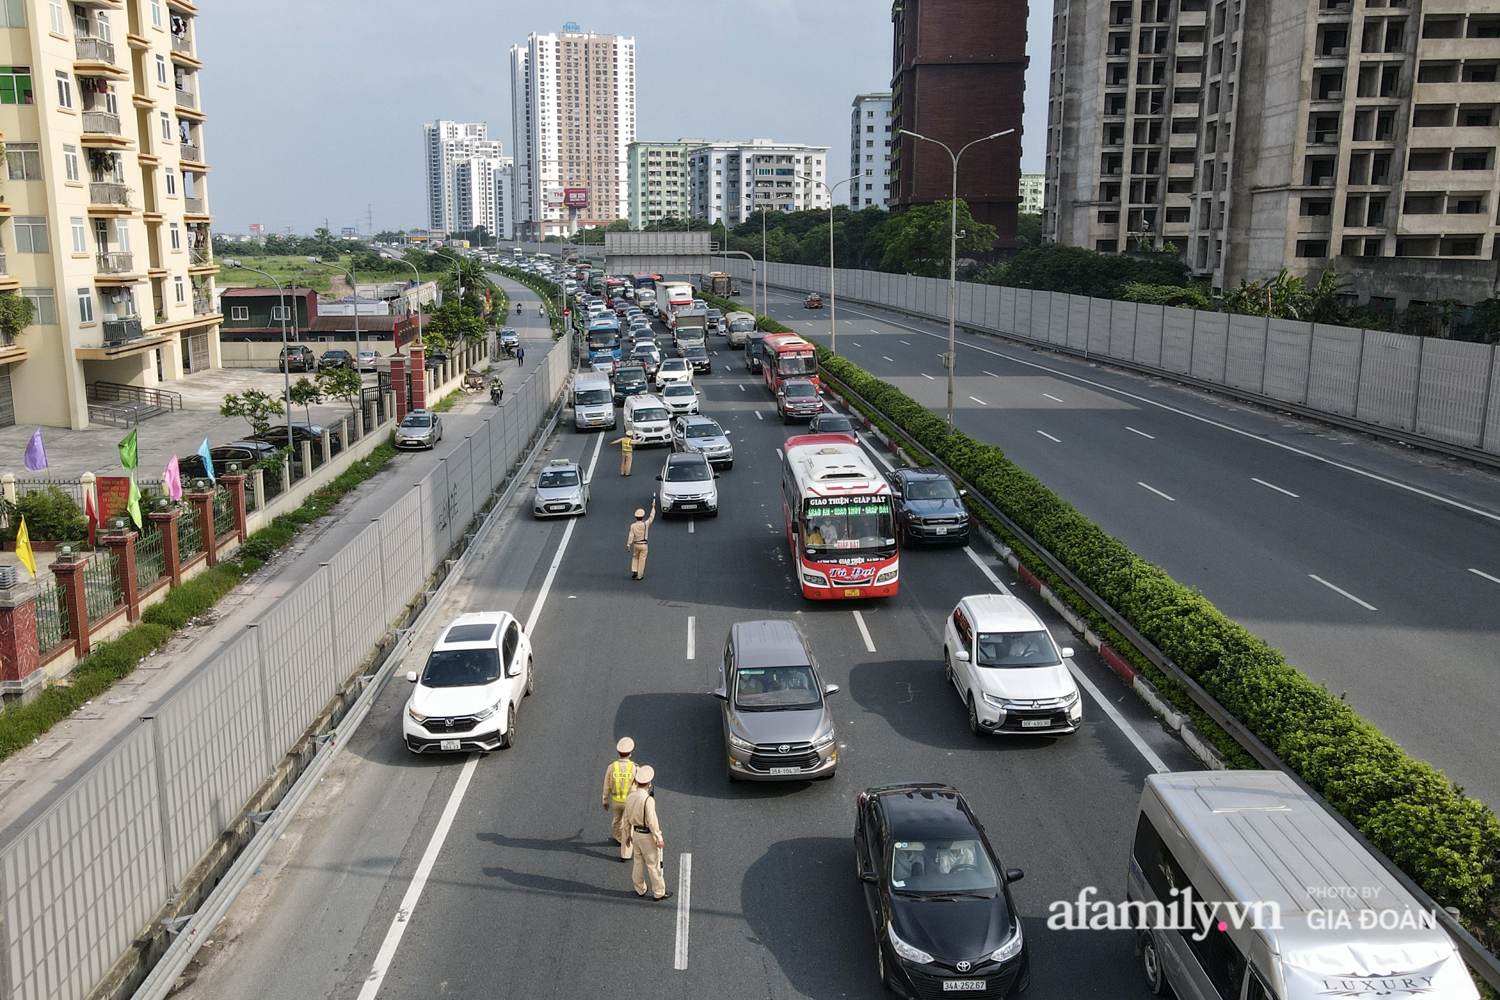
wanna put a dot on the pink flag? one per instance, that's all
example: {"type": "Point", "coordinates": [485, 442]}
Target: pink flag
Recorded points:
{"type": "Point", "coordinates": [171, 479]}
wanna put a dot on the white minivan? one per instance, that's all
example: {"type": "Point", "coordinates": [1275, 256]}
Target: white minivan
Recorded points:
{"type": "Point", "coordinates": [593, 401]}
{"type": "Point", "coordinates": [648, 420]}
{"type": "Point", "coordinates": [1005, 666]}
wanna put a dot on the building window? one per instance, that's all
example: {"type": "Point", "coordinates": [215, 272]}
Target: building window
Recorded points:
{"type": "Point", "coordinates": [70, 163]}
{"type": "Point", "coordinates": [64, 90]}
{"type": "Point", "coordinates": [43, 304]}
{"type": "Point", "coordinates": [1312, 248]}
{"type": "Point", "coordinates": [180, 287]}
{"type": "Point", "coordinates": [1107, 246]}
{"type": "Point", "coordinates": [30, 232]}
{"type": "Point", "coordinates": [161, 70]}
{"type": "Point", "coordinates": [171, 181]}
{"type": "Point", "coordinates": [15, 85]}
{"type": "Point", "coordinates": [85, 305]}
{"type": "Point", "coordinates": [80, 235]}
{"type": "Point", "coordinates": [24, 160]}
{"type": "Point", "coordinates": [13, 14]}
{"type": "Point", "coordinates": [59, 17]}
{"type": "Point", "coordinates": [166, 127]}
{"type": "Point", "coordinates": [176, 233]}
{"type": "Point", "coordinates": [240, 313]}
{"type": "Point", "coordinates": [278, 313]}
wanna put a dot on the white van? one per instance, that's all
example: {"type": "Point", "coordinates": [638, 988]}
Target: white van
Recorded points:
{"type": "Point", "coordinates": [648, 420]}
{"type": "Point", "coordinates": [738, 326]}
{"type": "Point", "coordinates": [1284, 904]}
{"type": "Point", "coordinates": [593, 401]}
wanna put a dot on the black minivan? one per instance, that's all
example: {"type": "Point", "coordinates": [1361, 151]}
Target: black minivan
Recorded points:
{"type": "Point", "coordinates": [753, 350]}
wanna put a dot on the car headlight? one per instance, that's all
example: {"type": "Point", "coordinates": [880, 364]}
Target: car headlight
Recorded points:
{"type": "Point", "coordinates": [814, 579]}
{"type": "Point", "coordinates": [1010, 949]}
{"type": "Point", "coordinates": [824, 741]}
{"type": "Point", "coordinates": [906, 951]}
{"type": "Point", "coordinates": [740, 744]}
{"type": "Point", "coordinates": [487, 712]}
{"type": "Point", "coordinates": [998, 702]}
{"type": "Point", "coordinates": [695, 449]}
{"type": "Point", "coordinates": [416, 716]}
{"type": "Point", "coordinates": [887, 576]}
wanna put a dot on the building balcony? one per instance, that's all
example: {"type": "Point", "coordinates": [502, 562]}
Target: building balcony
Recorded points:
{"type": "Point", "coordinates": [195, 206]}
{"type": "Point", "coordinates": [115, 262]}
{"type": "Point", "coordinates": [203, 305]}
{"type": "Point", "coordinates": [101, 122]}
{"type": "Point", "coordinates": [122, 331]}
{"type": "Point", "coordinates": [94, 50]}
{"type": "Point", "coordinates": [190, 152]}
{"type": "Point", "coordinates": [182, 44]}
{"type": "Point", "coordinates": [109, 194]}
{"type": "Point", "coordinates": [186, 99]}
{"type": "Point", "coordinates": [200, 257]}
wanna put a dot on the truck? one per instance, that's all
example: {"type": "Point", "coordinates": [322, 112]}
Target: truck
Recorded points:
{"type": "Point", "coordinates": [670, 295]}
{"type": "Point", "coordinates": [717, 283]}
{"type": "Point", "coordinates": [689, 326]}
{"type": "Point", "coordinates": [738, 326]}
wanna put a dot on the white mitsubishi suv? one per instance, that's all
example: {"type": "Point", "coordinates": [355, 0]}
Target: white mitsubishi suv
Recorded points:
{"type": "Point", "coordinates": [1008, 671]}
{"type": "Point", "coordinates": [465, 698]}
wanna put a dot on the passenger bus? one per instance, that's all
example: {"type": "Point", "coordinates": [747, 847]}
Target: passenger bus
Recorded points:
{"type": "Point", "coordinates": [644, 280]}
{"type": "Point", "coordinates": [839, 523]}
{"type": "Point", "coordinates": [786, 355]}
{"type": "Point", "coordinates": [614, 286]}
{"type": "Point", "coordinates": [604, 342]}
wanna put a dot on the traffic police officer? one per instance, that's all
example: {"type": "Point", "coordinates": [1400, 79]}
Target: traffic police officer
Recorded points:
{"type": "Point", "coordinates": [645, 831]}
{"type": "Point", "coordinates": [627, 452]}
{"type": "Point", "coordinates": [635, 541]}
{"type": "Point", "coordinates": [619, 782]}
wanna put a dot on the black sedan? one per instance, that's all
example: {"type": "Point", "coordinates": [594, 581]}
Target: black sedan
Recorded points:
{"type": "Point", "coordinates": [938, 898]}
{"type": "Point", "coordinates": [698, 358]}
{"type": "Point", "coordinates": [241, 453]}
{"type": "Point", "coordinates": [336, 359]}
{"type": "Point", "coordinates": [929, 508]}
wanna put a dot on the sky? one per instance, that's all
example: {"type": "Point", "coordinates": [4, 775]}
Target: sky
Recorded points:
{"type": "Point", "coordinates": [315, 107]}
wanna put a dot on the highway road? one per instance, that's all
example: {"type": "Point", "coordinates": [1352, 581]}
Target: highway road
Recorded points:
{"type": "Point", "coordinates": [493, 875]}
{"type": "Point", "coordinates": [1372, 567]}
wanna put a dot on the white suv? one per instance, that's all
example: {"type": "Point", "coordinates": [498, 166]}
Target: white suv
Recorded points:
{"type": "Point", "coordinates": [648, 420]}
{"type": "Point", "coordinates": [674, 370]}
{"type": "Point", "coordinates": [1008, 671]}
{"type": "Point", "coordinates": [466, 695]}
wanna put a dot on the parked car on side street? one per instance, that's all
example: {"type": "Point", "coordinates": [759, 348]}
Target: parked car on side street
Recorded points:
{"type": "Point", "coordinates": [420, 429]}
{"type": "Point", "coordinates": [242, 453]}
{"type": "Point", "coordinates": [336, 359]}
{"type": "Point", "coordinates": [297, 358]}
{"type": "Point", "coordinates": [368, 361]}
{"type": "Point", "coordinates": [276, 437]}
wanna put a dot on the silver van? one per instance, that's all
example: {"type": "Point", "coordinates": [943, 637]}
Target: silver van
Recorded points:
{"type": "Point", "coordinates": [777, 726]}
{"type": "Point", "coordinates": [1245, 888]}
{"type": "Point", "coordinates": [593, 401]}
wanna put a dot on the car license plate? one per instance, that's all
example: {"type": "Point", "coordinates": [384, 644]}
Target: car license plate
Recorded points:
{"type": "Point", "coordinates": [1035, 723]}
{"type": "Point", "coordinates": [851, 592]}
{"type": "Point", "coordinates": [448, 745]}
{"type": "Point", "coordinates": [963, 986]}
{"type": "Point", "coordinates": [786, 770]}
{"type": "Point", "coordinates": [942, 531]}
{"type": "Point", "coordinates": [688, 506]}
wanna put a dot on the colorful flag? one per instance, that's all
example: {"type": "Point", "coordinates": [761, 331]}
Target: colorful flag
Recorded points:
{"type": "Point", "coordinates": [208, 461]}
{"type": "Point", "coordinates": [171, 479]}
{"type": "Point", "coordinates": [23, 548]}
{"type": "Point", "coordinates": [128, 457]}
{"type": "Point", "coordinates": [91, 512]}
{"type": "Point", "coordinates": [36, 453]}
{"type": "Point", "coordinates": [133, 503]}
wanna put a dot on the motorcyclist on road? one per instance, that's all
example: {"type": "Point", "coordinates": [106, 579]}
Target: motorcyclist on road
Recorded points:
{"type": "Point", "coordinates": [518, 308]}
{"type": "Point", "coordinates": [496, 391]}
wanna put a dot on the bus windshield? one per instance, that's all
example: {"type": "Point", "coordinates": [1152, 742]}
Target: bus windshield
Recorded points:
{"type": "Point", "coordinates": [853, 522]}
{"type": "Point", "coordinates": [797, 364]}
{"type": "Point", "coordinates": [741, 325]}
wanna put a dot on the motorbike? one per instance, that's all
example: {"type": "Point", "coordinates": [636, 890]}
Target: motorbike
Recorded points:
{"type": "Point", "coordinates": [541, 311]}
{"type": "Point", "coordinates": [518, 308]}
{"type": "Point", "coordinates": [496, 391]}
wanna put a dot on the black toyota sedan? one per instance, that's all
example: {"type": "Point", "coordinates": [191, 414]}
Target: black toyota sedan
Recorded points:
{"type": "Point", "coordinates": [938, 898]}
{"type": "Point", "coordinates": [929, 508]}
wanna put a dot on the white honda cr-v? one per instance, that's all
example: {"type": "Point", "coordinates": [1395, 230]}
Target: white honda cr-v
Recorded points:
{"type": "Point", "coordinates": [1008, 671]}
{"type": "Point", "coordinates": [467, 694]}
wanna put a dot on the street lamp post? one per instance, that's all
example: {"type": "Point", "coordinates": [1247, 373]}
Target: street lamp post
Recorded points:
{"type": "Point", "coordinates": [950, 361]}
{"type": "Point", "coordinates": [354, 286]}
{"type": "Point", "coordinates": [286, 367]}
{"type": "Point", "coordinates": [833, 308]}
{"type": "Point", "coordinates": [403, 260]}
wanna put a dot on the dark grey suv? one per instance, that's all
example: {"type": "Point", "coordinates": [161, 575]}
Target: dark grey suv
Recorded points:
{"type": "Point", "coordinates": [777, 726]}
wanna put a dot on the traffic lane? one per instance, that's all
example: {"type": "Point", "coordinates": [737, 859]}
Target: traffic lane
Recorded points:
{"type": "Point", "coordinates": [534, 859]}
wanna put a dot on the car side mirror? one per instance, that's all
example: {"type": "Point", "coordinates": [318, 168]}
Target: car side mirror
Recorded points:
{"type": "Point", "coordinates": [720, 693]}
{"type": "Point", "coordinates": [830, 689]}
{"type": "Point", "coordinates": [961, 655]}
{"type": "Point", "coordinates": [868, 876]}
{"type": "Point", "coordinates": [411, 676]}
{"type": "Point", "coordinates": [658, 479]}
{"type": "Point", "coordinates": [963, 493]}
{"type": "Point", "coordinates": [1013, 875]}
{"type": "Point", "coordinates": [1067, 652]}
{"type": "Point", "coordinates": [716, 475]}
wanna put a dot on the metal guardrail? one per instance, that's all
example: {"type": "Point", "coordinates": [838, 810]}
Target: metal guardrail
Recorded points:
{"type": "Point", "coordinates": [1473, 952]}
{"type": "Point", "coordinates": [117, 392]}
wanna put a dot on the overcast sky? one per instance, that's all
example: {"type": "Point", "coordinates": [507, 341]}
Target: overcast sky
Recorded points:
{"type": "Point", "coordinates": [315, 107]}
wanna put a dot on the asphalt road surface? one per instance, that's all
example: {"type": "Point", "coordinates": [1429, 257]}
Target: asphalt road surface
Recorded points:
{"type": "Point", "coordinates": [495, 873]}
{"type": "Point", "coordinates": [1372, 567]}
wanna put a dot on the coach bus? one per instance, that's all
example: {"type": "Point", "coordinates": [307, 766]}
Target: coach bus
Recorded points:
{"type": "Point", "coordinates": [839, 523]}
{"type": "Point", "coordinates": [786, 355]}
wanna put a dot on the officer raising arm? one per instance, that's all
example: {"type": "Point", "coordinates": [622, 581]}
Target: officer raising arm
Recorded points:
{"type": "Point", "coordinates": [645, 830]}
{"type": "Point", "coordinates": [635, 541]}
{"type": "Point", "coordinates": [619, 782]}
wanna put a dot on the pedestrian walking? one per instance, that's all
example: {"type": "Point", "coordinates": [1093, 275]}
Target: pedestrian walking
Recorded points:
{"type": "Point", "coordinates": [635, 541]}
{"type": "Point", "coordinates": [520, 355]}
{"type": "Point", "coordinates": [645, 831]}
{"type": "Point", "coordinates": [619, 782]}
{"type": "Point", "coordinates": [627, 452]}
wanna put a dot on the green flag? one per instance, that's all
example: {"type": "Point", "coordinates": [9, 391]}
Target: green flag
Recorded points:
{"type": "Point", "coordinates": [133, 500]}
{"type": "Point", "coordinates": [128, 457]}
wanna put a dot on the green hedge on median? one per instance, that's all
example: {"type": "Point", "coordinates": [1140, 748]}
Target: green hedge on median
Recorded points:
{"type": "Point", "coordinates": [1449, 843]}
{"type": "Point", "coordinates": [727, 306]}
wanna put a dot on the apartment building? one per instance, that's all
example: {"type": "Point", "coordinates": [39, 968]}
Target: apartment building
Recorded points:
{"type": "Point", "coordinates": [461, 164]}
{"type": "Point", "coordinates": [104, 221]}
{"type": "Point", "coordinates": [1032, 188]}
{"type": "Point", "coordinates": [573, 116]}
{"type": "Point", "coordinates": [730, 181]}
{"type": "Point", "coordinates": [1357, 135]}
{"type": "Point", "coordinates": [870, 151]}
{"type": "Point", "coordinates": [658, 181]}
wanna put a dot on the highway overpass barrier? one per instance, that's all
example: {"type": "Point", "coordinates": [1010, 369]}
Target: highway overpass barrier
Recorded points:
{"type": "Point", "coordinates": [1442, 394]}
{"type": "Point", "coordinates": [92, 887]}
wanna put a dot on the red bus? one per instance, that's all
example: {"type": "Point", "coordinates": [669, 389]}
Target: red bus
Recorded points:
{"type": "Point", "coordinates": [786, 355]}
{"type": "Point", "coordinates": [839, 523]}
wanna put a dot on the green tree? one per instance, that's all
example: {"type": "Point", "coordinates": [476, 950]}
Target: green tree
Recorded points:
{"type": "Point", "coordinates": [1029, 229]}
{"type": "Point", "coordinates": [453, 325]}
{"type": "Point", "coordinates": [1187, 296]}
{"type": "Point", "coordinates": [1287, 296]}
{"type": "Point", "coordinates": [16, 314]}
{"type": "Point", "coordinates": [305, 393]}
{"type": "Point", "coordinates": [255, 406]}
{"type": "Point", "coordinates": [1057, 267]}
{"type": "Point", "coordinates": [342, 383]}
{"type": "Point", "coordinates": [916, 241]}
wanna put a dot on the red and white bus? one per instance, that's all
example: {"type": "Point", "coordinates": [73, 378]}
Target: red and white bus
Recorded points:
{"type": "Point", "coordinates": [786, 355]}
{"type": "Point", "coordinates": [839, 522]}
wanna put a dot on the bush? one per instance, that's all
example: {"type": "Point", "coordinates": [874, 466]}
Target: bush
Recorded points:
{"type": "Point", "coordinates": [51, 516]}
{"type": "Point", "coordinates": [193, 597]}
{"type": "Point", "coordinates": [1449, 843]}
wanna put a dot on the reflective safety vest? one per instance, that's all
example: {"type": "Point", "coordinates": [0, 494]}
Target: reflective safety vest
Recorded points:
{"type": "Point", "coordinates": [624, 774]}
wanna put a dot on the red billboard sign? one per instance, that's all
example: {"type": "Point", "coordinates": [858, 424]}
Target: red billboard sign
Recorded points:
{"type": "Point", "coordinates": [576, 197]}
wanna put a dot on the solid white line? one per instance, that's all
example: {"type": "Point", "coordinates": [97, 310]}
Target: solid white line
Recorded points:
{"type": "Point", "coordinates": [1340, 590]}
{"type": "Point", "coordinates": [979, 401]}
{"type": "Point", "coordinates": [692, 644]}
{"type": "Point", "coordinates": [1049, 437]}
{"type": "Point", "coordinates": [891, 360]}
{"type": "Point", "coordinates": [1480, 572]}
{"type": "Point", "coordinates": [541, 597]}
{"type": "Point", "coordinates": [1159, 765]}
{"type": "Point", "coordinates": [684, 902]}
{"type": "Point", "coordinates": [876, 452]}
{"type": "Point", "coordinates": [985, 569]}
{"type": "Point", "coordinates": [928, 377]}
{"type": "Point", "coordinates": [859, 620]}
{"type": "Point", "coordinates": [418, 881]}
{"type": "Point", "coordinates": [1052, 397]}
{"type": "Point", "coordinates": [1158, 492]}
{"type": "Point", "coordinates": [1141, 433]}
{"type": "Point", "coordinates": [758, 415]}
{"type": "Point", "coordinates": [598, 446]}
{"type": "Point", "coordinates": [1273, 486]}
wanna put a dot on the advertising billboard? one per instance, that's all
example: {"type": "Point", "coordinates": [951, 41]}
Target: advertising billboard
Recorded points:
{"type": "Point", "coordinates": [576, 197]}
{"type": "Point", "coordinates": [257, 229]}
{"type": "Point", "coordinates": [555, 197]}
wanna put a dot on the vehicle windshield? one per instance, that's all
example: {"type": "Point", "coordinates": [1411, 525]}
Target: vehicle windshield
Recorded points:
{"type": "Point", "coordinates": [592, 397]}
{"type": "Point", "coordinates": [606, 338]}
{"type": "Point", "coordinates": [854, 522]}
{"type": "Point", "coordinates": [648, 413]}
{"type": "Point", "coordinates": [557, 478]}
{"type": "Point", "coordinates": [674, 364]}
{"type": "Point", "coordinates": [715, 314]}
{"type": "Point", "coordinates": [1015, 649]}
{"type": "Point", "coordinates": [626, 376]}
{"type": "Point", "coordinates": [461, 667]}
{"type": "Point", "coordinates": [417, 420]}
{"type": "Point", "coordinates": [937, 867]}
{"type": "Point", "coordinates": [644, 351]}
{"type": "Point", "coordinates": [772, 689]}
{"type": "Point", "coordinates": [800, 390]}
{"type": "Point", "coordinates": [797, 364]}
{"type": "Point", "coordinates": [835, 424]}
{"type": "Point", "coordinates": [688, 472]}
{"type": "Point", "coordinates": [931, 489]}
{"type": "Point", "coordinates": [741, 325]}
{"type": "Point", "coordinates": [695, 352]}
{"type": "Point", "coordinates": [703, 429]}
{"type": "Point", "coordinates": [677, 389]}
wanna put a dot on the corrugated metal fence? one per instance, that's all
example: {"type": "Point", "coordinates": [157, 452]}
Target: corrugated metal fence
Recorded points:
{"type": "Point", "coordinates": [1446, 390]}
{"type": "Point", "coordinates": [86, 877]}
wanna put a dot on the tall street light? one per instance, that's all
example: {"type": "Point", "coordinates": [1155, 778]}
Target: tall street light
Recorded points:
{"type": "Point", "coordinates": [833, 308]}
{"type": "Point", "coordinates": [286, 366]}
{"type": "Point", "coordinates": [951, 360]}
{"type": "Point", "coordinates": [402, 260]}
{"type": "Point", "coordinates": [354, 286]}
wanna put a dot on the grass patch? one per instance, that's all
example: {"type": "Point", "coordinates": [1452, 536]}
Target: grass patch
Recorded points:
{"type": "Point", "coordinates": [446, 403]}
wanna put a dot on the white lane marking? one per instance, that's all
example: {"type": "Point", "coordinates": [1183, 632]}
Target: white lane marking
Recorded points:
{"type": "Point", "coordinates": [1052, 397]}
{"type": "Point", "coordinates": [1049, 437]}
{"type": "Point", "coordinates": [758, 415]}
{"type": "Point", "coordinates": [1158, 492]}
{"type": "Point", "coordinates": [742, 387]}
{"type": "Point", "coordinates": [1480, 572]}
{"type": "Point", "coordinates": [541, 597]}
{"type": "Point", "coordinates": [928, 377]}
{"type": "Point", "coordinates": [1141, 433]}
{"type": "Point", "coordinates": [1273, 486]}
{"type": "Point", "coordinates": [864, 632]}
{"type": "Point", "coordinates": [857, 344]}
{"type": "Point", "coordinates": [906, 342]}
{"type": "Point", "coordinates": [418, 881]}
{"type": "Point", "coordinates": [692, 638]}
{"type": "Point", "coordinates": [1340, 590]}
{"type": "Point", "coordinates": [598, 446]}
{"type": "Point", "coordinates": [1119, 720]}
{"type": "Point", "coordinates": [876, 452]}
{"type": "Point", "coordinates": [979, 401]}
{"type": "Point", "coordinates": [990, 374]}
{"type": "Point", "coordinates": [684, 902]}
{"type": "Point", "coordinates": [985, 569]}
{"type": "Point", "coordinates": [690, 526]}
{"type": "Point", "coordinates": [891, 360]}
{"type": "Point", "coordinates": [876, 332]}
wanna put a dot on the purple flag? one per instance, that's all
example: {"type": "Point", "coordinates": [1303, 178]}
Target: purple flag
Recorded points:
{"type": "Point", "coordinates": [36, 453]}
{"type": "Point", "coordinates": [171, 480]}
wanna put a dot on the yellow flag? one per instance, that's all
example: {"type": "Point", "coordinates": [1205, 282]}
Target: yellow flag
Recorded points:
{"type": "Point", "coordinates": [23, 548]}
